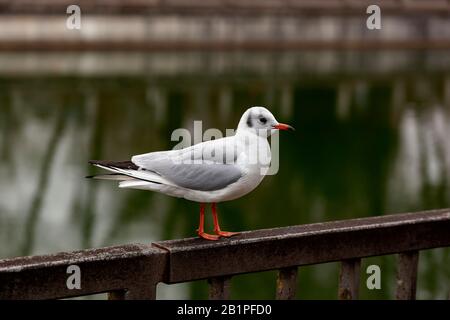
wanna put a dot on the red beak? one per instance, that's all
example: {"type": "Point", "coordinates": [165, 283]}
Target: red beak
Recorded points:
{"type": "Point", "coordinates": [282, 126]}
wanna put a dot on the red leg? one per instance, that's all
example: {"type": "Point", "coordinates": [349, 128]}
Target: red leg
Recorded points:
{"type": "Point", "coordinates": [216, 224]}
{"type": "Point", "coordinates": [200, 229]}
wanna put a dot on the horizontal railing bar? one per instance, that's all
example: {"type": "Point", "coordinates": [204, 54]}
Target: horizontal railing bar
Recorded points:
{"type": "Point", "coordinates": [306, 230]}
{"type": "Point", "coordinates": [135, 268]}
{"type": "Point", "coordinates": [253, 251]}
{"type": "Point", "coordinates": [79, 256]}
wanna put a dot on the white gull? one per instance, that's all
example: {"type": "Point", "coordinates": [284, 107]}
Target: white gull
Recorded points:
{"type": "Point", "coordinates": [208, 172]}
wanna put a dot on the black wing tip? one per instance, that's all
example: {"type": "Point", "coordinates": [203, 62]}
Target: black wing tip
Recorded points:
{"type": "Point", "coordinates": [116, 164]}
{"type": "Point", "coordinates": [98, 175]}
{"type": "Point", "coordinates": [95, 161]}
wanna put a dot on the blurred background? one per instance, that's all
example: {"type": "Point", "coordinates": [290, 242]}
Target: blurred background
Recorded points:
{"type": "Point", "coordinates": [371, 109]}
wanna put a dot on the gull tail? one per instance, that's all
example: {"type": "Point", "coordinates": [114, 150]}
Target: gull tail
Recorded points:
{"type": "Point", "coordinates": [127, 172]}
{"type": "Point", "coordinates": [113, 166]}
{"type": "Point", "coordinates": [111, 176]}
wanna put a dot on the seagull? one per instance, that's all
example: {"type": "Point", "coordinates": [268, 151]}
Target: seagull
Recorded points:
{"type": "Point", "coordinates": [208, 172]}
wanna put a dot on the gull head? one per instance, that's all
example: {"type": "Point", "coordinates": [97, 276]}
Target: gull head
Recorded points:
{"type": "Point", "coordinates": [260, 121]}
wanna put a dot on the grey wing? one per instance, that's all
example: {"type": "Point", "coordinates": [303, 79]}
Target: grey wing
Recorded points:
{"type": "Point", "coordinates": [182, 167]}
{"type": "Point", "coordinates": [203, 177]}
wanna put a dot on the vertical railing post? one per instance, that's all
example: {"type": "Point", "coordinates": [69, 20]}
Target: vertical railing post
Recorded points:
{"type": "Point", "coordinates": [116, 295]}
{"type": "Point", "coordinates": [287, 283]}
{"type": "Point", "coordinates": [349, 279]}
{"type": "Point", "coordinates": [150, 270]}
{"type": "Point", "coordinates": [219, 288]}
{"type": "Point", "coordinates": [407, 265]}
{"type": "Point", "coordinates": [146, 291]}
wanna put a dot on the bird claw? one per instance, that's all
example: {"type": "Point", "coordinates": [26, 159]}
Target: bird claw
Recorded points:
{"type": "Point", "coordinates": [226, 234]}
{"type": "Point", "coordinates": [207, 236]}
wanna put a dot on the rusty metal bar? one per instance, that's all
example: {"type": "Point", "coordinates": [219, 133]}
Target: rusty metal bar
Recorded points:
{"type": "Point", "coordinates": [219, 288]}
{"type": "Point", "coordinates": [349, 279]}
{"type": "Point", "coordinates": [137, 268]}
{"type": "Point", "coordinates": [287, 283]}
{"type": "Point", "coordinates": [407, 265]}
{"type": "Point", "coordinates": [270, 249]}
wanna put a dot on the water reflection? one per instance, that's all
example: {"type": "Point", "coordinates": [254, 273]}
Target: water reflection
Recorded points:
{"type": "Point", "coordinates": [372, 138]}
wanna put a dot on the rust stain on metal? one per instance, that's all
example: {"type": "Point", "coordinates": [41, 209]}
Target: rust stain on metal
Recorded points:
{"type": "Point", "coordinates": [349, 279]}
{"type": "Point", "coordinates": [219, 288]}
{"type": "Point", "coordinates": [287, 283]}
{"type": "Point", "coordinates": [407, 266]}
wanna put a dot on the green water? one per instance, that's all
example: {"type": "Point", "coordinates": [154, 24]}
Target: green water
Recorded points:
{"type": "Point", "coordinates": [372, 138]}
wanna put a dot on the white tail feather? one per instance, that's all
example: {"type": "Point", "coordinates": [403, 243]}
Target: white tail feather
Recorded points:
{"type": "Point", "coordinates": [133, 184]}
{"type": "Point", "coordinates": [145, 176]}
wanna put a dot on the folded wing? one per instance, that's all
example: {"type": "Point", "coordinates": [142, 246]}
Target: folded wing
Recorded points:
{"type": "Point", "coordinates": [207, 166]}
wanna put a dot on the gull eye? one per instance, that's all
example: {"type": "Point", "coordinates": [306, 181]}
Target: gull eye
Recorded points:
{"type": "Point", "coordinates": [263, 120]}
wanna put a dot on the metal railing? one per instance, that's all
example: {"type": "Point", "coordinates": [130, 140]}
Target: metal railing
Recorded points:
{"type": "Point", "coordinates": [133, 271]}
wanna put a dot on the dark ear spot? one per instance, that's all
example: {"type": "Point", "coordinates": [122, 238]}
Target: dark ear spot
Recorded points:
{"type": "Point", "coordinates": [249, 120]}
